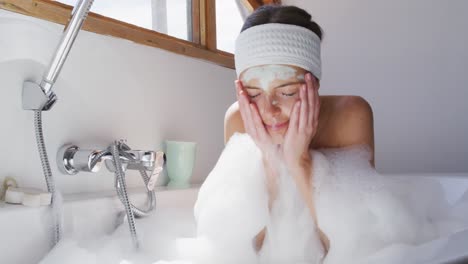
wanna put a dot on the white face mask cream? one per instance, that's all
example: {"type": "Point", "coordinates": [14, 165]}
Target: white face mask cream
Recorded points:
{"type": "Point", "coordinates": [267, 78]}
{"type": "Point", "coordinates": [268, 73]}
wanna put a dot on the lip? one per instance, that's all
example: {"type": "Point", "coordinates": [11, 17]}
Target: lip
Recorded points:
{"type": "Point", "coordinates": [277, 127]}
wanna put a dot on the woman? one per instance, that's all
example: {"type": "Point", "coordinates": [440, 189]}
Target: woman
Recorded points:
{"type": "Point", "coordinates": [313, 158]}
{"type": "Point", "coordinates": [289, 110]}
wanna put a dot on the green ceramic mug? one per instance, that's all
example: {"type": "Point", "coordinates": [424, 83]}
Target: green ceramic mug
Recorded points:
{"type": "Point", "coordinates": [180, 159]}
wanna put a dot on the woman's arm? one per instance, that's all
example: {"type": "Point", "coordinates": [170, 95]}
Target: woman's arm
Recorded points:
{"type": "Point", "coordinates": [272, 188]}
{"type": "Point", "coordinates": [303, 181]}
{"type": "Point", "coordinates": [302, 177]}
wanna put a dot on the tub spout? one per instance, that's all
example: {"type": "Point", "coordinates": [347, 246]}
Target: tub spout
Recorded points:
{"type": "Point", "coordinates": [71, 159]}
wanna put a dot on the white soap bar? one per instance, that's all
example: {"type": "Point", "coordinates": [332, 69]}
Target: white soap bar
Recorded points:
{"type": "Point", "coordinates": [32, 199]}
{"type": "Point", "coordinates": [27, 196]}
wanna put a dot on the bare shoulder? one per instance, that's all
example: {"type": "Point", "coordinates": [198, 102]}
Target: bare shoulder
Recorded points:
{"type": "Point", "coordinates": [350, 122]}
{"type": "Point", "coordinates": [350, 107]}
{"type": "Point", "coordinates": [232, 122]}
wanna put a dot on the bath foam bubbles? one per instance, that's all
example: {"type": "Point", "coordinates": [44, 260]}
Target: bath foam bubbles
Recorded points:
{"type": "Point", "coordinates": [165, 237]}
{"type": "Point", "coordinates": [232, 205]}
{"type": "Point", "coordinates": [368, 218]}
{"type": "Point", "coordinates": [291, 234]}
{"type": "Point", "coordinates": [115, 248]}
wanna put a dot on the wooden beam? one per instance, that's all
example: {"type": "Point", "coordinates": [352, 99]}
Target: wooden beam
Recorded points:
{"type": "Point", "coordinates": [60, 13]}
{"type": "Point", "coordinates": [254, 4]}
{"type": "Point", "coordinates": [196, 28]}
{"type": "Point", "coordinates": [268, 2]}
{"type": "Point", "coordinates": [208, 23]}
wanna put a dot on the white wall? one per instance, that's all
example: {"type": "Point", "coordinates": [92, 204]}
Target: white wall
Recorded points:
{"type": "Point", "coordinates": [108, 89]}
{"type": "Point", "coordinates": [409, 59]}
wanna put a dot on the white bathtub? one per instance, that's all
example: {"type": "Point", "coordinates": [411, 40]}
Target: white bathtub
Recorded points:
{"type": "Point", "coordinates": [24, 236]}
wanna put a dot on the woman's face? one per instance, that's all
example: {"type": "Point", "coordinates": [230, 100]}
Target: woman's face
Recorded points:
{"type": "Point", "coordinates": [274, 89]}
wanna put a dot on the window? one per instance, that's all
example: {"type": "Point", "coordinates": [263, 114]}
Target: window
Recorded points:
{"type": "Point", "coordinates": [204, 29]}
{"type": "Point", "coordinates": [167, 17]}
{"type": "Point", "coordinates": [136, 12]}
{"type": "Point", "coordinates": [177, 16]}
{"type": "Point", "coordinates": [228, 23]}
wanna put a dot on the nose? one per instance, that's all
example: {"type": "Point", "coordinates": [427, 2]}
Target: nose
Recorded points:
{"type": "Point", "coordinates": [271, 106]}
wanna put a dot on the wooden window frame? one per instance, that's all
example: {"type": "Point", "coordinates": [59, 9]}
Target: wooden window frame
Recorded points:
{"type": "Point", "coordinates": [202, 46]}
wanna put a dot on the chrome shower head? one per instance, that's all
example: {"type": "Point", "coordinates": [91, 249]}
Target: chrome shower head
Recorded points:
{"type": "Point", "coordinates": [40, 96]}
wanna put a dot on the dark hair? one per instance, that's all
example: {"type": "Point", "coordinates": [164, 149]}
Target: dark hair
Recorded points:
{"type": "Point", "coordinates": [275, 13]}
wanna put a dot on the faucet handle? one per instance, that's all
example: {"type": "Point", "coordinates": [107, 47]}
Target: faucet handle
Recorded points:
{"type": "Point", "coordinates": [160, 159]}
{"type": "Point", "coordinates": [159, 163]}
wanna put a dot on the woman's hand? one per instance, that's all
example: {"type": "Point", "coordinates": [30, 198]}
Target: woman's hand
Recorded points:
{"type": "Point", "coordinates": [302, 128]}
{"type": "Point", "coordinates": [253, 124]}
{"type": "Point", "coordinates": [254, 127]}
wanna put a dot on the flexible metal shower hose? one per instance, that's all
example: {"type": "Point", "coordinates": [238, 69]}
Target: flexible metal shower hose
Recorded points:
{"type": "Point", "coordinates": [132, 212]}
{"type": "Point", "coordinates": [57, 231]}
{"type": "Point", "coordinates": [120, 184]}
{"type": "Point", "coordinates": [120, 176]}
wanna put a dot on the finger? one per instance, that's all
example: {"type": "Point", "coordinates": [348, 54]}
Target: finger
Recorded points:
{"type": "Point", "coordinates": [294, 120]}
{"type": "Point", "coordinates": [245, 110]}
{"type": "Point", "coordinates": [241, 102]}
{"type": "Point", "coordinates": [316, 101]}
{"type": "Point", "coordinates": [250, 113]}
{"type": "Point", "coordinates": [310, 99]}
{"type": "Point", "coordinates": [236, 84]}
{"type": "Point", "coordinates": [316, 107]}
{"type": "Point", "coordinates": [261, 131]}
{"type": "Point", "coordinates": [303, 116]}
{"type": "Point", "coordinates": [249, 120]}
{"type": "Point", "coordinates": [252, 130]}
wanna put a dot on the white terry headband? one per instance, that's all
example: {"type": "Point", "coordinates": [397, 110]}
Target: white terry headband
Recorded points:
{"type": "Point", "coordinates": [276, 43]}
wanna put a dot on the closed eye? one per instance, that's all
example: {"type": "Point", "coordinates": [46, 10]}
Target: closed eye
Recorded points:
{"type": "Point", "coordinates": [288, 94]}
